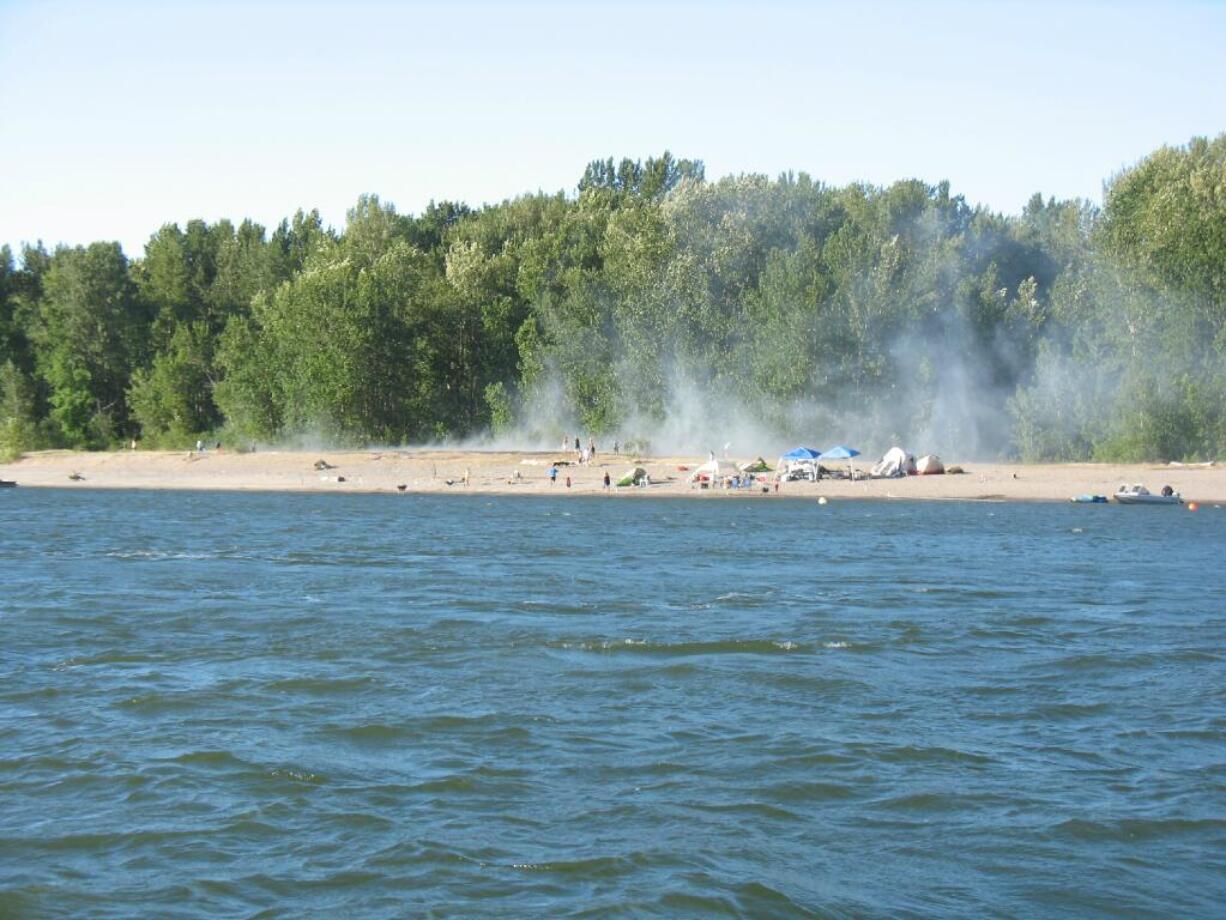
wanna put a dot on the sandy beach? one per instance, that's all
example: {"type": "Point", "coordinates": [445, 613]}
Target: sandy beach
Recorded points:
{"type": "Point", "coordinates": [526, 473]}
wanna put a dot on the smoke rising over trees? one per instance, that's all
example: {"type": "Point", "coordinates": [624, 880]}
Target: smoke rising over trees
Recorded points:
{"type": "Point", "coordinates": [652, 303]}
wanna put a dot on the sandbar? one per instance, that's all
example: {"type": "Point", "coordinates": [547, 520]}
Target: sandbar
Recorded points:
{"type": "Point", "coordinates": [526, 473]}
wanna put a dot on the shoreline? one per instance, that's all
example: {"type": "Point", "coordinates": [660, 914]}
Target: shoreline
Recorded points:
{"type": "Point", "coordinates": [442, 471]}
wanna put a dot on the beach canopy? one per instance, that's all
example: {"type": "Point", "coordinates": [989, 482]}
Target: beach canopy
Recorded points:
{"type": "Point", "coordinates": [799, 462]}
{"type": "Point", "coordinates": [840, 453]}
{"type": "Point", "coordinates": [801, 453]}
{"type": "Point", "coordinates": [714, 470]}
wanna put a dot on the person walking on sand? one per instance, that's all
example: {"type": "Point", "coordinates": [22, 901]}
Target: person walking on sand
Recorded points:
{"type": "Point", "coordinates": [568, 481]}
{"type": "Point", "coordinates": [591, 450]}
{"type": "Point", "coordinates": [606, 480]}
{"type": "Point", "coordinates": [553, 473]}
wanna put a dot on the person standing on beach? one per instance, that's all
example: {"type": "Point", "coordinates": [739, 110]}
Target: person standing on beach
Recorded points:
{"type": "Point", "coordinates": [606, 480]}
{"type": "Point", "coordinates": [568, 481]}
{"type": "Point", "coordinates": [576, 443]}
{"type": "Point", "coordinates": [553, 473]}
{"type": "Point", "coordinates": [591, 450]}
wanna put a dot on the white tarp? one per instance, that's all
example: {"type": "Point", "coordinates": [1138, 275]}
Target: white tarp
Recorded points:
{"type": "Point", "coordinates": [930, 465]}
{"type": "Point", "coordinates": [896, 462]}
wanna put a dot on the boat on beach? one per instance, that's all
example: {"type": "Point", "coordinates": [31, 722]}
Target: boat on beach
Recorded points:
{"type": "Point", "coordinates": [1139, 495]}
{"type": "Point", "coordinates": [8, 484]}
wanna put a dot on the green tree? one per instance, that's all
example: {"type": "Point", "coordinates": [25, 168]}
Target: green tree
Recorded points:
{"type": "Point", "coordinates": [174, 396]}
{"type": "Point", "coordinates": [91, 330]}
{"type": "Point", "coordinates": [19, 428]}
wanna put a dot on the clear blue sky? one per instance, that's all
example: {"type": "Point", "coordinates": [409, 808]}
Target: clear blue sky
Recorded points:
{"type": "Point", "coordinates": [116, 117]}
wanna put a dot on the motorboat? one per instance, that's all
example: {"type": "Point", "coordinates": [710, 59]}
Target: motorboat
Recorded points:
{"type": "Point", "coordinates": [8, 484]}
{"type": "Point", "coordinates": [1089, 499]}
{"type": "Point", "coordinates": [1139, 495]}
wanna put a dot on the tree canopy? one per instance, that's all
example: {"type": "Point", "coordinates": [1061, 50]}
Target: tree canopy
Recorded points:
{"type": "Point", "coordinates": [651, 303]}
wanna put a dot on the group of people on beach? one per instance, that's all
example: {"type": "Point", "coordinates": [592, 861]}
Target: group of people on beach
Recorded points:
{"type": "Point", "coordinates": [553, 477]}
{"type": "Point", "coordinates": [585, 455]}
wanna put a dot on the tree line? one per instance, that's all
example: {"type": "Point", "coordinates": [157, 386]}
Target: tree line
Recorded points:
{"type": "Point", "coordinates": [1066, 332]}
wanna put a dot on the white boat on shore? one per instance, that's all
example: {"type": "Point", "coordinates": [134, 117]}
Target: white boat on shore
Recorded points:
{"type": "Point", "coordinates": [1139, 495]}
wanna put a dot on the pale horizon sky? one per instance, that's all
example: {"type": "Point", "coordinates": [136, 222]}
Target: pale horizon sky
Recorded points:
{"type": "Point", "coordinates": [118, 117]}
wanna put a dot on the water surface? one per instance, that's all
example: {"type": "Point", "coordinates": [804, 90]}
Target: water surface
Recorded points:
{"type": "Point", "coordinates": [220, 704]}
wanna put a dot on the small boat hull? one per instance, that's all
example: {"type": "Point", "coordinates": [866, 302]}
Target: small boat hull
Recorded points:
{"type": "Point", "coordinates": [1130, 499]}
{"type": "Point", "coordinates": [7, 484]}
{"type": "Point", "coordinates": [1089, 499]}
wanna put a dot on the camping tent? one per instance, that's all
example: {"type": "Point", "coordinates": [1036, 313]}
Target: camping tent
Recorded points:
{"type": "Point", "coordinates": [632, 477]}
{"type": "Point", "coordinates": [896, 462]}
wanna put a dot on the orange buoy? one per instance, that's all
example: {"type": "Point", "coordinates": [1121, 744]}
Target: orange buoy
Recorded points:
{"type": "Point", "coordinates": [1192, 506]}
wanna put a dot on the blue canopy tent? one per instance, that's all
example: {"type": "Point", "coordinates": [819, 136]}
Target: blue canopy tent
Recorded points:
{"type": "Point", "coordinates": [801, 458]}
{"type": "Point", "coordinates": [842, 453]}
{"type": "Point", "coordinates": [802, 453]}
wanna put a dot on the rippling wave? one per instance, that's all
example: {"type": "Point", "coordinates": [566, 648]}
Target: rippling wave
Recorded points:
{"type": "Point", "coordinates": [288, 705]}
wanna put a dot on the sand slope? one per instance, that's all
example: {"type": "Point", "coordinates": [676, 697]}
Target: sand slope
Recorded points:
{"type": "Point", "coordinates": [527, 473]}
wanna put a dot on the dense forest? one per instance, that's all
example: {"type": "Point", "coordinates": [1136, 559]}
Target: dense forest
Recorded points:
{"type": "Point", "coordinates": [650, 304]}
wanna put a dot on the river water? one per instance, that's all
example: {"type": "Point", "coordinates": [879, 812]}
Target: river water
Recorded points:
{"type": "Point", "coordinates": [226, 704]}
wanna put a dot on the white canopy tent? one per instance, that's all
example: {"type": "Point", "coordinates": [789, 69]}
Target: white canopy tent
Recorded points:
{"type": "Point", "coordinates": [714, 470]}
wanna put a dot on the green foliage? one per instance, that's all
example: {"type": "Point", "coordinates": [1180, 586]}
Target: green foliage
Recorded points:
{"type": "Point", "coordinates": [19, 425]}
{"type": "Point", "coordinates": [174, 396]}
{"type": "Point", "coordinates": [89, 332]}
{"type": "Point", "coordinates": [367, 343]}
{"type": "Point", "coordinates": [502, 414]}
{"type": "Point", "coordinates": [249, 394]}
{"type": "Point", "coordinates": [1061, 333]}
{"type": "Point", "coordinates": [1166, 219]}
